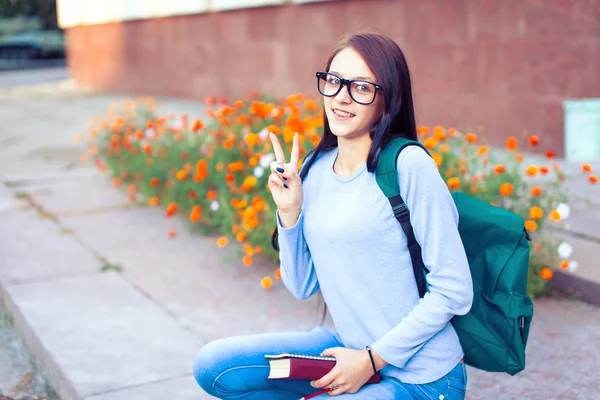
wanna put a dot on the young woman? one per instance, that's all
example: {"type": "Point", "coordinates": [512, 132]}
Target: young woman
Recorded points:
{"type": "Point", "coordinates": [337, 233]}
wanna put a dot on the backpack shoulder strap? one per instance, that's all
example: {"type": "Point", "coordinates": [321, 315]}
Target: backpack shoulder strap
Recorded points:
{"type": "Point", "coordinates": [387, 179]}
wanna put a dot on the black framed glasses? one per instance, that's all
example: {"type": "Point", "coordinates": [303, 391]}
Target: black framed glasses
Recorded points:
{"type": "Point", "coordinates": [362, 92]}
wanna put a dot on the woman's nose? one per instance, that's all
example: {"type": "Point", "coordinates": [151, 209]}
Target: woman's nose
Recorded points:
{"type": "Point", "coordinates": [343, 95]}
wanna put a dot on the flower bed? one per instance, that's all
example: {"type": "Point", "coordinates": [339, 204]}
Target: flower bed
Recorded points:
{"type": "Point", "coordinates": [216, 173]}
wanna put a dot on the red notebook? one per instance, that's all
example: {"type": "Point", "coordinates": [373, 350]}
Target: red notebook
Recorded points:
{"type": "Point", "coordinates": [303, 366]}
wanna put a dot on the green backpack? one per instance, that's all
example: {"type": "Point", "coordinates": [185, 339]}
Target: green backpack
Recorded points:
{"type": "Point", "coordinates": [494, 333]}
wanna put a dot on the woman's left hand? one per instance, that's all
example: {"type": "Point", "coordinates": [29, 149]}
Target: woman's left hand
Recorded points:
{"type": "Point", "coordinates": [352, 370]}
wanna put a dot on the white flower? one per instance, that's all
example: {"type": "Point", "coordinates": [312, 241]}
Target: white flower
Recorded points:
{"type": "Point", "coordinates": [149, 133]}
{"type": "Point", "coordinates": [564, 250]}
{"type": "Point", "coordinates": [259, 172]}
{"type": "Point", "coordinates": [573, 265]}
{"type": "Point", "coordinates": [214, 205]}
{"type": "Point", "coordinates": [563, 210]}
{"type": "Point", "coordinates": [263, 134]}
{"type": "Point", "coordinates": [266, 160]}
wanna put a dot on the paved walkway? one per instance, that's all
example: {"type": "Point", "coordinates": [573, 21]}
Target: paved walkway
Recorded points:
{"type": "Point", "coordinates": [108, 335]}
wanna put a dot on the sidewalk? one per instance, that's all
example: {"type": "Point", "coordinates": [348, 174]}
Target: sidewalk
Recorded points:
{"type": "Point", "coordinates": [108, 335]}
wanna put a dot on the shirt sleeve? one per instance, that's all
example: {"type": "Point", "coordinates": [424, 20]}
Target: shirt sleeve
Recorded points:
{"type": "Point", "coordinates": [434, 218]}
{"type": "Point", "coordinates": [297, 268]}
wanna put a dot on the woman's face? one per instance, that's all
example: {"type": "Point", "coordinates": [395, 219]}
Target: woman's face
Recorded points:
{"type": "Point", "coordinates": [347, 118]}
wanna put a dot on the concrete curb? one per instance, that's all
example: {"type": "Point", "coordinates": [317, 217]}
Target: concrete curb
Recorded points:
{"type": "Point", "coordinates": [42, 359]}
{"type": "Point", "coordinates": [582, 289]}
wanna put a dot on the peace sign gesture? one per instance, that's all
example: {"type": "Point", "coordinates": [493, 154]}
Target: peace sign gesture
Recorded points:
{"type": "Point", "coordinates": [285, 183]}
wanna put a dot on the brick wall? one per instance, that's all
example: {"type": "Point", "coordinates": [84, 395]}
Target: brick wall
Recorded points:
{"type": "Point", "coordinates": [501, 65]}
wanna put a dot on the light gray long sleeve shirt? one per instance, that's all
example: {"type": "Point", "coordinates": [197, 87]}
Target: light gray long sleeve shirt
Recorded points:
{"type": "Point", "coordinates": [348, 243]}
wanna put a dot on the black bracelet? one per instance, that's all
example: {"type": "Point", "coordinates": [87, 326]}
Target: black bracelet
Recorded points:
{"type": "Point", "coordinates": [371, 357]}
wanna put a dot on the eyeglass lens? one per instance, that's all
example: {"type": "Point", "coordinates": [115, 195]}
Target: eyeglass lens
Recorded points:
{"type": "Point", "coordinates": [361, 92]}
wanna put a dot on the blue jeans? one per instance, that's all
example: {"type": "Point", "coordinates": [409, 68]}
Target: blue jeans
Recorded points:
{"type": "Point", "coordinates": [235, 368]}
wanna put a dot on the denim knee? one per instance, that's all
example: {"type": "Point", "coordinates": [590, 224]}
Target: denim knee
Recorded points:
{"type": "Point", "coordinates": [205, 367]}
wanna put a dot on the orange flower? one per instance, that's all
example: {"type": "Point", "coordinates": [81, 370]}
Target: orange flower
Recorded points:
{"type": "Point", "coordinates": [531, 225]}
{"type": "Point", "coordinates": [194, 217]}
{"type": "Point", "coordinates": [536, 212]}
{"type": "Point", "coordinates": [438, 133]}
{"type": "Point", "coordinates": [506, 189]}
{"type": "Point", "coordinates": [258, 249]}
{"type": "Point", "coordinates": [423, 130]}
{"type": "Point", "coordinates": [564, 264]}
{"type": "Point", "coordinates": [586, 168]}
{"type": "Point", "coordinates": [229, 178]}
{"type": "Point", "coordinates": [310, 105]}
{"type": "Point", "coordinates": [482, 150]}
{"type": "Point", "coordinates": [532, 170]}
{"type": "Point", "coordinates": [536, 191]}
{"type": "Point", "coordinates": [197, 125]}
{"type": "Point", "coordinates": [258, 204]}
{"type": "Point", "coordinates": [241, 236]}
{"type": "Point", "coordinates": [197, 210]}
{"type": "Point", "coordinates": [454, 183]}
{"type": "Point", "coordinates": [248, 249]}
{"type": "Point", "coordinates": [238, 104]}
{"type": "Point", "coordinates": [247, 261]}
{"type": "Point", "coordinates": [181, 175]}
{"type": "Point", "coordinates": [211, 195]}
{"type": "Point", "coordinates": [222, 241]}
{"type": "Point", "coordinates": [236, 227]}
{"type": "Point", "coordinates": [472, 138]}
{"type": "Point", "coordinates": [430, 143]}
{"type": "Point", "coordinates": [171, 208]}
{"type": "Point", "coordinates": [266, 282]}
{"type": "Point", "coordinates": [153, 201]}
{"type": "Point", "coordinates": [555, 215]}
{"type": "Point", "coordinates": [192, 194]}
{"type": "Point", "coordinates": [116, 181]}
{"type": "Point", "coordinates": [499, 169]}
{"type": "Point", "coordinates": [546, 274]}
{"type": "Point", "coordinates": [147, 149]}
{"type": "Point", "coordinates": [519, 157]}
{"type": "Point", "coordinates": [277, 273]}
{"type": "Point", "coordinates": [201, 165]}
{"type": "Point", "coordinates": [544, 170]}
{"type": "Point", "coordinates": [251, 139]}
{"type": "Point", "coordinates": [235, 166]}
{"type": "Point", "coordinates": [228, 144]}
{"type": "Point", "coordinates": [249, 183]}
{"type": "Point", "coordinates": [437, 157]}
{"type": "Point", "coordinates": [154, 182]}
{"type": "Point", "coordinates": [171, 233]}
{"type": "Point", "coordinates": [511, 143]}
{"type": "Point", "coordinates": [593, 179]}
{"type": "Point", "coordinates": [534, 140]}
{"type": "Point", "coordinates": [550, 154]}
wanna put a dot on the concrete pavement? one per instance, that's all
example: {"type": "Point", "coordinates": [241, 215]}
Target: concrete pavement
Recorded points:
{"type": "Point", "coordinates": [133, 334]}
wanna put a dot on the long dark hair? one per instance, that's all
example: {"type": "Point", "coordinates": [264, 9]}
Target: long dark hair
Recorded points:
{"type": "Point", "coordinates": [386, 60]}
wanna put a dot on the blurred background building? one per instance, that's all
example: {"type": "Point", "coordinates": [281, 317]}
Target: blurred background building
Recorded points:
{"type": "Point", "coordinates": [495, 67]}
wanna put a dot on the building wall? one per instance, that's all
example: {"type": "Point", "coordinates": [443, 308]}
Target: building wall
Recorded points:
{"type": "Point", "coordinates": [501, 66]}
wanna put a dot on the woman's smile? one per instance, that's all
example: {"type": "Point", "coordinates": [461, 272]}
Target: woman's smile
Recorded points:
{"type": "Point", "coordinates": [342, 115]}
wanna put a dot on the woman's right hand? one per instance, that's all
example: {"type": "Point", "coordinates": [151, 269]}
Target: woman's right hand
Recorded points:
{"type": "Point", "coordinates": [285, 183]}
